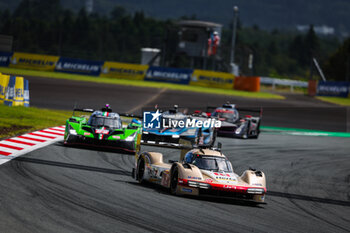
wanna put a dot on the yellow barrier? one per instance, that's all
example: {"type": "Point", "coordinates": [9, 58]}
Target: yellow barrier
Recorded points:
{"type": "Point", "coordinates": [14, 91]}
{"type": "Point", "coordinates": [215, 79]}
{"type": "Point", "coordinates": [4, 81]}
{"type": "Point", "coordinates": [123, 70]}
{"type": "Point", "coordinates": [18, 99]}
{"type": "Point", "coordinates": [33, 61]}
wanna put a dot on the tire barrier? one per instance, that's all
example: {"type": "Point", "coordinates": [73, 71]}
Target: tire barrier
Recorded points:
{"type": "Point", "coordinates": [14, 91]}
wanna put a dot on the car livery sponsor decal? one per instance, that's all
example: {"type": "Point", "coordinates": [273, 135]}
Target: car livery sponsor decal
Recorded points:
{"type": "Point", "coordinates": [229, 187]}
{"type": "Point", "coordinates": [102, 131]}
{"type": "Point", "coordinates": [186, 190]}
{"type": "Point", "coordinates": [224, 177]}
{"type": "Point", "coordinates": [194, 178]}
{"type": "Point", "coordinates": [224, 111]}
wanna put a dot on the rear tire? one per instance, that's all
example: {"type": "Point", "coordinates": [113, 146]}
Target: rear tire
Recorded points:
{"type": "Point", "coordinates": [174, 181]}
{"type": "Point", "coordinates": [258, 130]}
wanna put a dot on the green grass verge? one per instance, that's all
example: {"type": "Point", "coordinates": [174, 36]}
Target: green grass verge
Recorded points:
{"type": "Point", "coordinates": [335, 100]}
{"type": "Point", "coordinates": [302, 132]}
{"type": "Point", "coordinates": [140, 83]}
{"type": "Point", "coordinates": [19, 120]}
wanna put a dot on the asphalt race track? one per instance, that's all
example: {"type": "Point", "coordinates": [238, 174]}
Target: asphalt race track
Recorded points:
{"type": "Point", "coordinates": [297, 111]}
{"type": "Point", "coordinates": [60, 189]}
{"type": "Point", "coordinates": [67, 189]}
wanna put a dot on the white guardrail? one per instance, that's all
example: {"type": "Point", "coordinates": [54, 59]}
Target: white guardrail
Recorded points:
{"type": "Point", "coordinates": [283, 82]}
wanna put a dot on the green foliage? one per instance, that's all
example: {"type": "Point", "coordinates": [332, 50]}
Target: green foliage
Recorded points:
{"type": "Point", "coordinates": [337, 67]}
{"type": "Point", "coordinates": [282, 54]}
{"type": "Point", "coordinates": [335, 100]}
{"type": "Point", "coordinates": [43, 26]}
{"type": "Point", "coordinates": [17, 120]}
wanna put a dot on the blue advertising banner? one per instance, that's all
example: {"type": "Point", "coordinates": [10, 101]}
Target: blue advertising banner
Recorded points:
{"type": "Point", "coordinates": [78, 66]}
{"type": "Point", "coordinates": [5, 58]}
{"type": "Point", "coordinates": [169, 75]}
{"type": "Point", "coordinates": [340, 89]}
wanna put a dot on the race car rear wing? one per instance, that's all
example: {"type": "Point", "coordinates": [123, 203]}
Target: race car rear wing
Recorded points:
{"type": "Point", "coordinates": [210, 109]}
{"type": "Point", "coordinates": [131, 115]}
{"type": "Point", "coordinates": [83, 110]}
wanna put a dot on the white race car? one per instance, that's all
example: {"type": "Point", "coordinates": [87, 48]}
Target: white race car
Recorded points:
{"type": "Point", "coordinates": [200, 172]}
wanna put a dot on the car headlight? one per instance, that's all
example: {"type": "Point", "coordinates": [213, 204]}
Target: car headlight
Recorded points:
{"type": "Point", "coordinates": [255, 191]}
{"type": "Point", "coordinates": [239, 129]}
{"type": "Point", "coordinates": [175, 136]}
{"type": "Point", "coordinates": [130, 138]}
{"type": "Point", "coordinates": [72, 131]}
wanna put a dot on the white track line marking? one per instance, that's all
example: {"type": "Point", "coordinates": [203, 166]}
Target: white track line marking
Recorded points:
{"type": "Point", "coordinates": [152, 98]}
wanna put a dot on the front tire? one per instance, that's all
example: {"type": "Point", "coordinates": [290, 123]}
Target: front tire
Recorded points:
{"type": "Point", "coordinates": [174, 181]}
{"type": "Point", "coordinates": [141, 165]}
{"type": "Point", "coordinates": [246, 131]}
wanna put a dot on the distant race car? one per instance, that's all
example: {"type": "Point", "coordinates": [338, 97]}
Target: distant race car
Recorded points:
{"type": "Point", "coordinates": [200, 172]}
{"type": "Point", "coordinates": [103, 129]}
{"type": "Point", "coordinates": [232, 124]}
{"type": "Point", "coordinates": [171, 136]}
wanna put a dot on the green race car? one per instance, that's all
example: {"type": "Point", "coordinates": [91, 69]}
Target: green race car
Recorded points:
{"type": "Point", "coordinates": [103, 129]}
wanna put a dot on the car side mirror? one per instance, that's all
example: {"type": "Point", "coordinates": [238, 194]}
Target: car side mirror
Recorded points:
{"type": "Point", "coordinates": [219, 146]}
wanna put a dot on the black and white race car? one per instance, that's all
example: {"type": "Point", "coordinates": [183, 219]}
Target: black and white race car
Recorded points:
{"type": "Point", "coordinates": [234, 125]}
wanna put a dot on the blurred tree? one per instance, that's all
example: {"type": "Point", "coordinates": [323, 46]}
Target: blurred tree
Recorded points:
{"type": "Point", "coordinates": [337, 67]}
{"type": "Point", "coordinates": [118, 12]}
{"type": "Point", "coordinates": [42, 26]}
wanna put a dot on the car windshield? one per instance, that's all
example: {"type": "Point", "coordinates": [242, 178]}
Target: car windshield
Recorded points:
{"type": "Point", "coordinates": [212, 163]}
{"type": "Point", "coordinates": [105, 121]}
{"type": "Point", "coordinates": [230, 116]}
